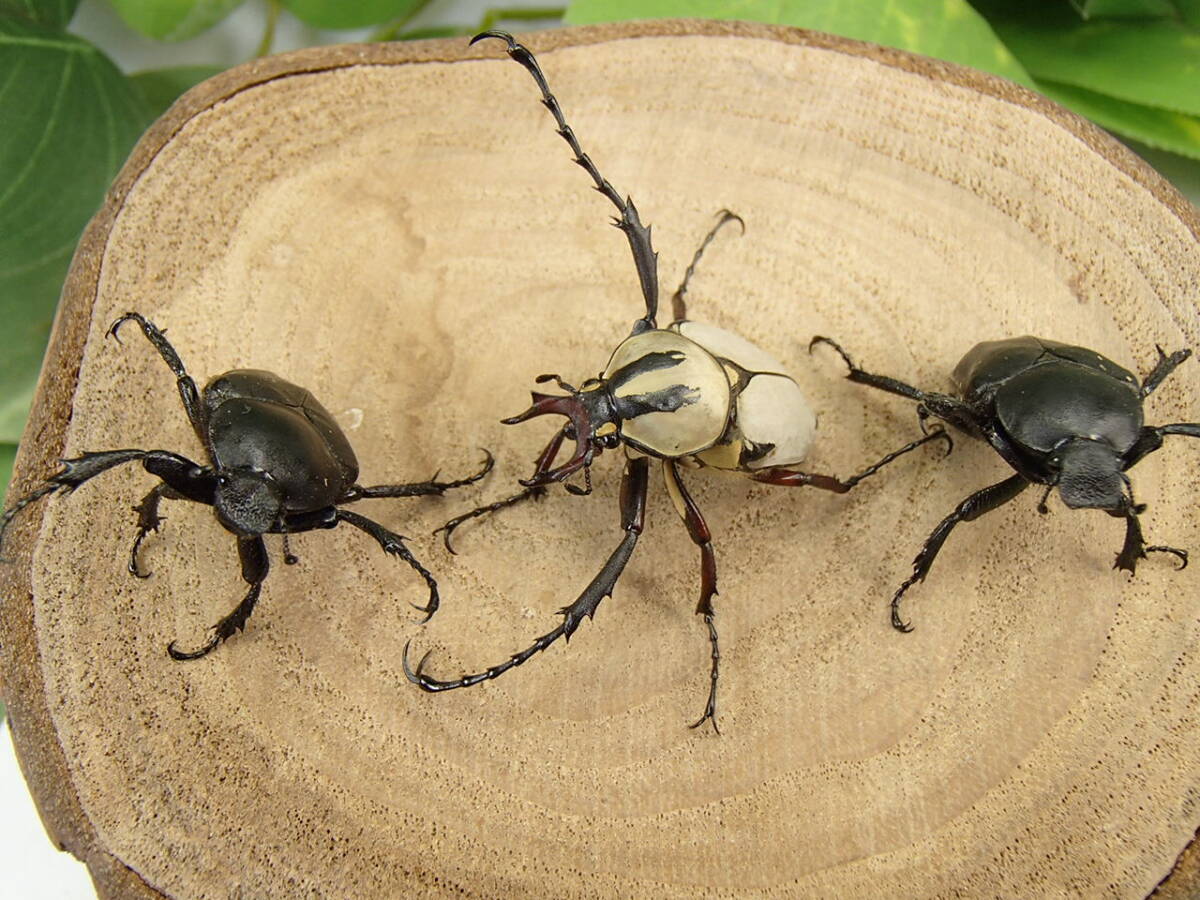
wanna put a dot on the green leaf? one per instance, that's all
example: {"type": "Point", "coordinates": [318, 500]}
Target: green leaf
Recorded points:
{"type": "Point", "coordinates": [162, 87]}
{"type": "Point", "coordinates": [1189, 11]}
{"type": "Point", "coordinates": [173, 20]}
{"type": "Point", "coordinates": [1160, 128]}
{"type": "Point", "coordinates": [341, 14]}
{"type": "Point", "coordinates": [8, 453]}
{"type": "Point", "coordinates": [949, 29]}
{"type": "Point", "coordinates": [50, 13]}
{"type": "Point", "coordinates": [70, 119]}
{"type": "Point", "coordinates": [1150, 62]}
{"type": "Point", "coordinates": [1124, 9]}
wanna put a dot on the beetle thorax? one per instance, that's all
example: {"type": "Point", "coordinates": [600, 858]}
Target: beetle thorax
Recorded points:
{"type": "Point", "coordinates": [670, 397]}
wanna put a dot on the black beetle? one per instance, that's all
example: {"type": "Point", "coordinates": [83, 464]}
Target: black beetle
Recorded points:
{"type": "Point", "coordinates": [686, 395]}
{"type": "Point", "coordinates": [279, 465]}
{"type": "Point", "coordinates": [1062, 416]}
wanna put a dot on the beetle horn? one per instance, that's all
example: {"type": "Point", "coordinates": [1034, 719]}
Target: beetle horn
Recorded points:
{"type": "Point", "coordinates": [573, 409]}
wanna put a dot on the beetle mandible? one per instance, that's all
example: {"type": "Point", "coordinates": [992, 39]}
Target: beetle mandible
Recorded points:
{"type": "Point", "coordinates": [689, 394]}
{"type": "Point", "coordinates": [1062, 416]}
{"type": "Point", "coordinates": [279, 464]}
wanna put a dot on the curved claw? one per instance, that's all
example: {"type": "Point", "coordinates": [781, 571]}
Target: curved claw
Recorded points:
{"type": "Point", "coordinates": [898, 623]}
{"type": "Point", "coordinates": [821, 339]}
{"type": "Point", "coordinates": [1181, 555]}
{"type": "Point", "coordinates": [417, 677]}
{"type": "Point", "coordinates": [499, 35]}
{"type": "Point", "coordinates": [116, 326]}
{"type": "Point", "coordinates": [181, 655]}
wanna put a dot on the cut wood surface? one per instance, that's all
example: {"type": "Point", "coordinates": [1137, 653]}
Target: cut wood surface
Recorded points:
{"type": "Point", "coordinates": [399, 229]}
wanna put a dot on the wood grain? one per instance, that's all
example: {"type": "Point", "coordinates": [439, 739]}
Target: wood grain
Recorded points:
{"type": "Point", "coordinates": [399, 229]}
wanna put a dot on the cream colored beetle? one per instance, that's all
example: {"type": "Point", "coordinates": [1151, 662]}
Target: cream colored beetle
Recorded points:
{"type": "Point", "coordinates": [689, 394]}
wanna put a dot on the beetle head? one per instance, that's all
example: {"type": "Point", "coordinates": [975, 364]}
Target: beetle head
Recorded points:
{"type": "Point", "coordinates": [593, 424]}
{"type": "Point", "coordinates": [247, 501]}
{"type": "Point", "coordinates": [1090, 475]}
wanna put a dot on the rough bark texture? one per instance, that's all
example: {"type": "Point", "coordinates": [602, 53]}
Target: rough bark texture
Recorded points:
{"type": "Point", "coordinates": [399, 229]}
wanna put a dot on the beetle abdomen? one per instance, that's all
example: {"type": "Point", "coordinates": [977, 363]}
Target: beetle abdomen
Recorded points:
{"type": "Point", "coordinates": [773, 423]}
{"type": "Point", "coordinates": [671, 395]}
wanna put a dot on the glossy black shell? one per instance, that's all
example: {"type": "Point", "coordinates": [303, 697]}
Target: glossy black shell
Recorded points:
{"type": "Point", "coordinates": [1043, 392]}
{"type": "Point", "coordinates": [256, 420]}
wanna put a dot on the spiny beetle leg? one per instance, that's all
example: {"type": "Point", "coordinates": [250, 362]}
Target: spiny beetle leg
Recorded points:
{"type": "Point", "coordinates": [630, 224]}
{"type": "Point", "coordinates": [255, 566]}
{"type": "Point", "coordinates": [633, 514]}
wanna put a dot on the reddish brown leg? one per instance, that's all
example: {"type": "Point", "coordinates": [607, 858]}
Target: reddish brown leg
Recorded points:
{"type": "Point", "coordinates": [544, 463]}
{"type": "Point", "coordinates": [792, 478]}
{"type": "Point", "coordinates": [702, 538]}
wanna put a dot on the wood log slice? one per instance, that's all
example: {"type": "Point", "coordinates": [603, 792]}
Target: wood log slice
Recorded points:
{"type": "Point", "coordinates": [399, 229]}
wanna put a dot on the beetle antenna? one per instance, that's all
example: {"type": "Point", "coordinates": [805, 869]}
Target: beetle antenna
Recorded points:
{"type": "Point", "coordinates": [1042, 507]}
{"type": "Point", "coordinates": [630, 224]}
{"type": "Point", "coordinates": [679, 298]}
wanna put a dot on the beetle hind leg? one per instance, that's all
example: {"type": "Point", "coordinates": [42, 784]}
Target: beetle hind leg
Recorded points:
{"type": "Point", "coordinates": [183, 381]}
{"type": "Point", "coordinates": [255, 566]}
{"type": "Point", "coordinates": [679, 298]}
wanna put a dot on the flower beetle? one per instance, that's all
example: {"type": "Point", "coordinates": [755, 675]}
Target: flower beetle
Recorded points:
{"type": "Point", "coordinates": [1061, 416]}
{"type": "Point", "coordinates": [279, 464]}
{"type": "Point", "coordinates": [686, 395]}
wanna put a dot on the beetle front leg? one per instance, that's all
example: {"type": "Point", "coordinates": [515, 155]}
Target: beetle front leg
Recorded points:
{"type": "Point", "coordinates": [393, 544]}
{"type": "Point", "coordinates": [192, 481]}
{"type": "Point", "coordinates": [981, 502]}
{"type": "Point", "coordinates": [149, 520]}
{"type": "Point", "coordinates": [702, 538]}
{"type": "Point", "coordinates": [630, 224]}
{"type": "Point", "coordinates": [633, 518]}
{"type": "Point", "coordinates": [418, 488]}
{"type": "Point", "coordinates": [544, 463]}
{"type": "Point", "coordinates": [255, 566]}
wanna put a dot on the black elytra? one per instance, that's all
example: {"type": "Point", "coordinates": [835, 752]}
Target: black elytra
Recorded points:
{"type": "Point", "coordinates": [673, 380]}
{"type": "Point", "coordinates": [279, 464]}
{"type": "Point", "coordinates": [1062, 416]}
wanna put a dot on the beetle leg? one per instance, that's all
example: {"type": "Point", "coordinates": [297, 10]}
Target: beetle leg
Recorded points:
{"type": "Point", "coordinates": [702, 538]}
{"type": "Point", "coordinates": [679, 298]}
{"type": "Point", "coordinates": [149, 520]}
{"type": "Point", "coordinates": [255, 566]}
{"type": "Point", "coordinates": [1151, 439]}
{"type": "Point", "coordinates": [393, 544]}
{"type": "Point", "coordinates": [187, 387]}
{"type": "Point", "coordinates": [192, 481]}
{"type": "Point", "coordinates": [630, 224]}
{"type": "Point", "coordinates": [1164, 367]}
{"type": "Point", "coordinates": [633, 517]}
{"type": "Point", "coordinates": [545, 462]}
{"type": "Point", "coordinates": [793, 478]}
{"type": "Point", "coordinates": [976, 505]}
{"type": "Point", "coordinates": [417, 489]}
